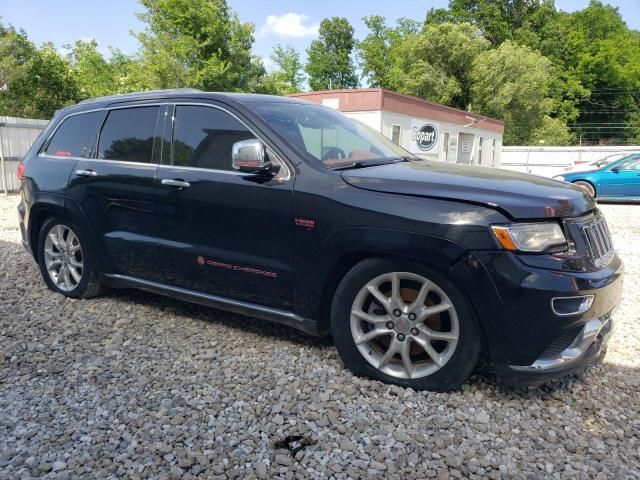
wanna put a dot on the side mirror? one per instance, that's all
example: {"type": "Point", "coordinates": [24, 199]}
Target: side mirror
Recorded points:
{"type": "Point", "coordinates": [615, 169]}
{"type": "Point", "coordinates": [250, 156]}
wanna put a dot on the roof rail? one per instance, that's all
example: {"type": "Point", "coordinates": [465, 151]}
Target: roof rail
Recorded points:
{"type": "Point", "coordinates": [125, 96]}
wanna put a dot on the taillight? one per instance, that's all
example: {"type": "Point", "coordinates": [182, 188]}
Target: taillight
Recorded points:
{"type": "Point", "coordinates": [20, 172]}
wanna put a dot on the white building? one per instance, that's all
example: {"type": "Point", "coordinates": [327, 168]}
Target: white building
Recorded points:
{"type": "Point", "coordinates": [427, 129]}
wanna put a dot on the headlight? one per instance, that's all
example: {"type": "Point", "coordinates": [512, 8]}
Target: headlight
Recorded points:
{"type": "Point", "coordinates": [559, 177]}
{"type": "Point", "coordinates": [529, 237]}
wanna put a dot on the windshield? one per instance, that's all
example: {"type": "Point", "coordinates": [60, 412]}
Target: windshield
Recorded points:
{"type": "Point", "coordinates": [329, 136]}
{"type": "Point", "coordinates": [603, 162]}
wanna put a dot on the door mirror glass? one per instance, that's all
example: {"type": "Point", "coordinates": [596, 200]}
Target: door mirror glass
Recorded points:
{"type": "Point", "coordinates": [250, 156]}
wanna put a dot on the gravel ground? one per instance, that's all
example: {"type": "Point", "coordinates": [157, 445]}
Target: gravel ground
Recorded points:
{"type": "Point", "coordinates": [137, 385]}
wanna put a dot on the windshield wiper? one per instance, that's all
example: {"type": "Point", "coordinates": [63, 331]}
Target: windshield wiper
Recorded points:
{"type": "Point", "coordinates": [372, 163]}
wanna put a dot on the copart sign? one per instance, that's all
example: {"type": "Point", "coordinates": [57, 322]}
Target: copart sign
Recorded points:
{"type": "Point", "coordinates": [425, 137]}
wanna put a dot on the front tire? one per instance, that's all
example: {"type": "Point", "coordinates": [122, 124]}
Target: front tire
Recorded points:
{"type": "Point", "coordinates": [66, 264]}
{"type": "Point", "coordinates": [404, 324]}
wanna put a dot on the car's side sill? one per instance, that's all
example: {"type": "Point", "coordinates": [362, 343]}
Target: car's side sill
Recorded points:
{"type": "Point", "coordinates": [244, 308]}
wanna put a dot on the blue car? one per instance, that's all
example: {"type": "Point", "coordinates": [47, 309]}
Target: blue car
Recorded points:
{"type": "Point", "coordinates": [619, 180]}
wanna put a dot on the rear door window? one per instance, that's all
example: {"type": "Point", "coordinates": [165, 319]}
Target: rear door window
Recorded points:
{"type": "Point", "coordinates": [203, 137]}
{"type": "Point", "coordinates": [128, 134]}
{"type": "Point", "coordinates": [76, 136]}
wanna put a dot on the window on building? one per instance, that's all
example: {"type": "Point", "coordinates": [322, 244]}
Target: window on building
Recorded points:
{"type": "Point", "coordinates": [203, 137]}
{"type": "Point", "coordinates": [127, 134]}
{"type": "Point", "coordinates": [76, 136]}
{"type": "Point", "coordinates": [395, 134]}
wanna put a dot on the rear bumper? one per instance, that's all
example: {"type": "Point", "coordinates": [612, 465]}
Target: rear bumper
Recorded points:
{"type": "Point", "coordinates": [528, 340]}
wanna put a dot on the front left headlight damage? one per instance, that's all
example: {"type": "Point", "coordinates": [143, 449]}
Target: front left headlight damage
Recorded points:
{"type": "Point", "coordinates": [530, 237]}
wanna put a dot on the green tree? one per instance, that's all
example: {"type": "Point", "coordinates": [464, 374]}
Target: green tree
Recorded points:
{"type": "Point", "coordinates": [435, 63]}
{"type": "Point", "coordinates": [608, 64]}
{"type": "Point", "coordinates": [288, 61]}
{"type": "Point", "coordinates": [197, 43]}
{"type": "Point", "coordinates": [128, 72]}
{"type": "Point", "coordinates": [33, 82]}
{"type": "Point", "coordinates": [382, 49]}
{"type": "Point", "coordinates": [16, 54]}
{"type": "Point", "coordinates": [512, 83]}
{"type": "Point", "coordinates": [552, 132]}
{"type": "Point", "coordinates": [287, 78]}
{"type": "Point", "coordinates": [330, 63]}
{"type": "Point", "coordinates": [94, 75]}
{"type": "Point", "coordinates": [497, 20]}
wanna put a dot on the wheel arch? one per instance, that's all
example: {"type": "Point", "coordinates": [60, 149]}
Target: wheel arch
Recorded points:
{"type": "Point", "coordinates": [349, 247]}
{"type": "Point", "coordinates": [590, 182]}
{"type": "Point", "coordinates": [44, 207]}
{"type": "Point", "coordinates": [55, 205]}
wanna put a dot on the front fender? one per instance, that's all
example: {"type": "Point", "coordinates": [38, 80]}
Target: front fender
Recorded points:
{"type": "Point", "coordinates": [317, 275]}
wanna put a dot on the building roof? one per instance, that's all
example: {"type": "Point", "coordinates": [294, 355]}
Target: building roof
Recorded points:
{"type": "Point", "coordinates": [373, 99]}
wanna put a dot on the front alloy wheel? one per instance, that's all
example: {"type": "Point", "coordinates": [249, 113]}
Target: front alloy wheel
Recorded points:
{"type": "Point", "coordinates": [404, 325]}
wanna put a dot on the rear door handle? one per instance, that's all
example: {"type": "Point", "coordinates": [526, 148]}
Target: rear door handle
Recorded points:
{"type": "Point", "coordinates": [175, 183]}
{"type": "Point", "coordinates": [86, 173]}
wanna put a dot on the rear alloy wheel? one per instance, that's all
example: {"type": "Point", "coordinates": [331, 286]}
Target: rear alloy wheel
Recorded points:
{"type": "Point", "coordinates": [63, 257]}
{"type": "Point", "coordinates": [586, 186]}
{"type": "Point", "coordinates": [65, 262]}
{"type": "Point", "coordinates": [405, 325]}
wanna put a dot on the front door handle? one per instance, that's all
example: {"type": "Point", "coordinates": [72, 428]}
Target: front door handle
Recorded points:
{"type": "Point", "coordinates": [175, 183]}
{"type": "Point", "coordinates": [86, 173]}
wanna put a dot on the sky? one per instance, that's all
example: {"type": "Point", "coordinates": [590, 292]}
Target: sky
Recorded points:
{"type": "Point", "coordinates": [286, 22]}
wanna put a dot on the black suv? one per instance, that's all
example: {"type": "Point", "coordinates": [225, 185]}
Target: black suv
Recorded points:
{"type": "Point", "coordinates": [292, 212]}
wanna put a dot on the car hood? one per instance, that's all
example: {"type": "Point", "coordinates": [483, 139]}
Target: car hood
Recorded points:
{"type": "Point", "coordinates": [519, 195]}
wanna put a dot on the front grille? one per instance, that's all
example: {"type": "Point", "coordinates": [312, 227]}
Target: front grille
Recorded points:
{"type": "Point", "coordinates": [599, 242]}
{"type": "Point", "coordinates": [561, 343]}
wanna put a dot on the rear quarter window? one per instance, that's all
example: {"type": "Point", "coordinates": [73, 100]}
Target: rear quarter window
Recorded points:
{"type": "Point", "coordinates": [75, 137]}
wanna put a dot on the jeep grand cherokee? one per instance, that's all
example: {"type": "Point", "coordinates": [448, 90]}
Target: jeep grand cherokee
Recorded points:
{"type": "Point", "coordinates": [294, 213]}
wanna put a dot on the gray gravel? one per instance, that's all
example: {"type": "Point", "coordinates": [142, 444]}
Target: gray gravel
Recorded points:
{"type": "Point", "coordinates": [137, 385]}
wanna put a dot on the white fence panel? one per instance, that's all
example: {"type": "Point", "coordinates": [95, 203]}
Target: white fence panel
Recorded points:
{"type": "Point", "coordinates": [550, 161]}
{"type": "Point", "coordinates": [16, 136]}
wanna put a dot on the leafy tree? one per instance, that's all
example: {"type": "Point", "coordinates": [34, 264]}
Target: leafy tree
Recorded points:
{"type": "Point", "coordinates": [16, 53]}
{"type": "Point", "coordinates": [329, 57]}
{"type": "Point", "coordinates": [94, 75]}
{"type": "Point", "coordinates": [287, 78]}
{"type": "Point", "coordinates": [288, 61]}
{"type": "Point", "coordinates": [552, 132]}
{"type": "Point", "coordinates": [512, 83]}
{"type": "Point", "coordinates": [197, 43]}
{"type": "Point", "coordinates": [599, 60]}
{"type": "Point", "coordinates": [374, 52]}
{"type": "Point", "coordinates": [33, 82]}
{"type": "Point", "coordinates": [382, 49]}
{"type": "Point", "coordinates": [497, 20]}
{"type": "Point", "coordinates": [128, 72]}
{"type": "Point", "coordinates": [435, 64]}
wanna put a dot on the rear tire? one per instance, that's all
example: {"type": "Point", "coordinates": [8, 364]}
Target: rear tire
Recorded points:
{"type": "Point", "coordinates": [404, 324]}
{"type": "Point", "coordinates": [66, 264]}
{"type": "Point", "coordinates": [586, 186]}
